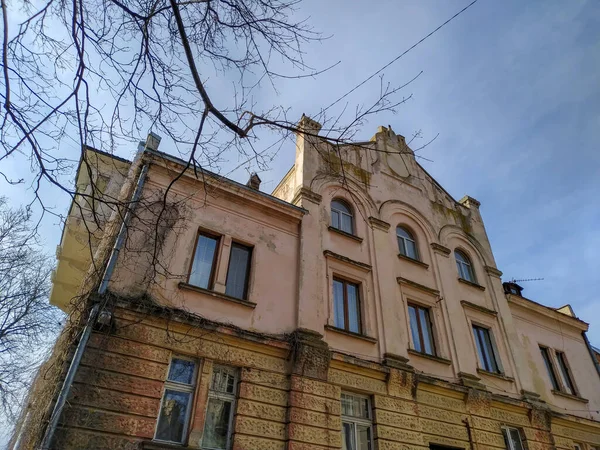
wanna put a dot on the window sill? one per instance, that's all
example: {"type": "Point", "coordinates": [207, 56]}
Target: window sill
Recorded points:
{"type": "Point", "coordinates": [191, 287]}
{"type": "Point", "coordinates": [158, 445]}
{"type": "Point", "coordinates": [470, 283]}
{"type": "Point", "coordinates": [431, 357]}
{"type": "Point", "coordinates": [572, 397]}
{"type": "Point", "coordinates": [500, 376]}
{"type": "Point", "coordinates": [412, 260]}
{"type": "Point", "coordinates": [351, 334]}
{"type": "Point", "coordinates": [343, 233]}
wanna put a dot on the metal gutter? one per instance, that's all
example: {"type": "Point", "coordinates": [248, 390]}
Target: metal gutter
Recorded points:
{"type": "Point", "coordinates": [87, 330]}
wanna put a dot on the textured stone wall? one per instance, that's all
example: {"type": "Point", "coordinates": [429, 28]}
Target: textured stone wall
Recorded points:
{"type": "Point", "coordinates": [287, 400]}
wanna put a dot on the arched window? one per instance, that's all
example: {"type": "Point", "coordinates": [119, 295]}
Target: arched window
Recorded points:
{"type": "Point", "coordinates": [406, 243]}
{"type": "Point", "coordinates": [341, 216]}
{"type": "Point", "coordinates": [464, 266]}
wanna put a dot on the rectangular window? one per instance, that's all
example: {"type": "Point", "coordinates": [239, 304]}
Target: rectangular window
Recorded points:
{"type": "Point", "coordinates": [512, 438]}
{"type": "Point", "coordinates": [485, 349]}
{"type": "Point", "coordinates": [346, 305]}
{"type": "Point", "coordinates": [239, 271]}
{"type": "Point", "coordinates": [205, 257]}
{"type": "Point", "coordinates": [176, 403]}
{"type": "Point", "coordinates": [565, 373]}
{"type": "Point", "coordinates": [219, 409]}
{"type": "Point", "coordinates": [357, 431]}
{"type": "Point", "coordinates": [550, 368]}
{"type": "Point", "coordinates": [420, 329]}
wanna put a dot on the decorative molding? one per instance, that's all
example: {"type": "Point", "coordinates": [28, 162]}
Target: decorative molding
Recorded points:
{"type": "Point", "coordinates": [470, 283]}
{"type": "Point", "coordinates": [416, 285]}
{"type": "Point", "coordinates": [351, 334]}
{"type": "Point", "coordinates": [191, 287]}
{"type": "Point", "coordinates": [496, 375]}
{"type": "Point", "coordinates": [379, 224]}
{"type": "Point", "coordinates": [330, 254]}
{"type": "Point", "coordinates": [493, 271]}
{"type": "Point", "coordinates": [438, 248]}
{"type": "Point", "coordinates": [479, 308]}
{"type": "Point", "coordinates": [304, 193]}
{"type": "Point", "coordinates": [414, 261]}
{"type": "Point", "coordinates": [431, 357]}
{"type": "Point", "coordinates": [343, 233]}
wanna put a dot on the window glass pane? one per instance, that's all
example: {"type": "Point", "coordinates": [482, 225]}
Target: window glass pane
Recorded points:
{"type": "Point", "coordinates": [216, 425]}
{"type": "Point", "coordinates": [426, 329]}
{"type": "Point", "coordinates": [363, 437]}
{"type": "Point", "coordinates": [346, 224]}
{"type": "Point", "coordinates": [403, 233]}
{"type": "Point", "coordinates": [564, 370]}
{"type": "Point", "coordinates": [335, 219]}
{"type": "Point", "coordinates": [353, 312]}
{"type": "Point", "coordinates": [222, 381]}
{"type": "Point", "coordinates": [338, 304]}
{"type": "Point", "coordinates": [348, 436]}
{"type": "Point", "coordinates": [549, 368]}
{"type": "Point", "coordinates": [203, 261]}
{"type": "Point", "coordinates": [171, 422]}
{"type": "Point", "coordinates": [181, 371]}
{"type": "Point", "coordinates": [237, 275]}
{"type": "Point", "coordinates": [414, 328]}
{"type": "Point", "coordinates": [476, 333]}
{"type": "Point", "coordinates": [411, 249]}
{"type": "Point", "coordinates": [340, 206]}
{"type": "Point", "coordinates": [355, 406]}
{"type": "Point", "coordinates": [489, 350]}
{"type": "Point", "coordinates": [401, 246]}
{"type": "Point", "coordinates": [516, 439]}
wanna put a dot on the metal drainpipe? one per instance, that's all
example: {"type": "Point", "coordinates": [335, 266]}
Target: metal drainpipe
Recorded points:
{"type": "Point", "coordinates": [87, 331]}
{"type": "Point", "coordinates": [589, 347]}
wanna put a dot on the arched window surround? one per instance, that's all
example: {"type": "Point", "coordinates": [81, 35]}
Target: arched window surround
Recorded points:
{"type": "Point", "coordinates": [342, 216]}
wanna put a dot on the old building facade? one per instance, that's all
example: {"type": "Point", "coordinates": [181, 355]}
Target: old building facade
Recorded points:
{"type": "Point", "coordinates": [358, 306]}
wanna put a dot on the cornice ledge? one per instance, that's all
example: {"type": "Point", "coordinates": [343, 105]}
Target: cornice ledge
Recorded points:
{"type": "Point", "coordinates": [479, 308]}
{"type": "Point", "coordinates": [471, 381]}
{"type": "Point", "coordinates": [493, 271]}
{"type": "Point", "coordinates": [330, 254]}
{"type": "Point", "coordinates": [439, 248]}
{"type": "Point", "coordinates": [379, 224]}
{"type": "Point", "coordinates": [397, 362]}
{"type": "Point", "coordinates": [306, 194]}
{"type": "Point", "coordinates": [419, 286]}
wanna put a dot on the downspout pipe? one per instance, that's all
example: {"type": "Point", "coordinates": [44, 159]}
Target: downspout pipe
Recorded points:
{"type": "Point", "coordinates": [87, 330]}
{"type": "Point", "coordinates": [591, 350]}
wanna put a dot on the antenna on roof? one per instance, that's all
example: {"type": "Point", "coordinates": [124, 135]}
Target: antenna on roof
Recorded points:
{"type": "Point", "coordinates": [525, 279]}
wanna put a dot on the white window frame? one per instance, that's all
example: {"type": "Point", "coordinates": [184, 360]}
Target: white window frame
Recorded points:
{"type": "Point", "coordinates": [358, 420]}
{"type": "Point", "coordinates": [343, 213]}
{"type": "Point", "coordinates": [179, 387]}
{"type": "Point", "coordinates": [405, 240]}
{"type": "Point", "coordinates": [506, 431]}
{"type": "Point", "coordinates": [465, 266]}
{"type": "Point", "coordinates": [225, 397]}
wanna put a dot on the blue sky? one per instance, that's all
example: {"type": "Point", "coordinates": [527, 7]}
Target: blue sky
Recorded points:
{"type": "Point", "coordinates": [512, 88]}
